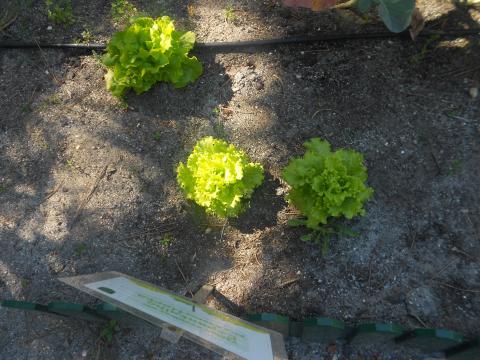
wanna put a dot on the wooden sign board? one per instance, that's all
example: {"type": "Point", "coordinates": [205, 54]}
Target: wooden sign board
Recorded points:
{"type": "Point", "coordinates": [218, 331]}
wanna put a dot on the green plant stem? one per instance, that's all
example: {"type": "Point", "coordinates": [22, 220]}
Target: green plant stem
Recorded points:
{"type": "Point", "coordinates": [346, 5]}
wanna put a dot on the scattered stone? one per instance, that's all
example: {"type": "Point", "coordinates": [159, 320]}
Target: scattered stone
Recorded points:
{"type": "Point", "coordinates": [49, 28]}
{"type": "Point", "coordinates": [473, 92]}
{"type": "Point", "coordinates": [259, 84]}
{"type": "Point", "coordinates": [238, 76]}
{"type": "Point", "coordinates": [422, 302]}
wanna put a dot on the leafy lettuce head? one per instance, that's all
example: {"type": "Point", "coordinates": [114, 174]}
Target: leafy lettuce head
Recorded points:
{"type": "Point", "coordinates": [149, 51]}
{"type": "Point", "coordinates": [219, 177]}
{"type": "Point", "coordinates": [327, 184]}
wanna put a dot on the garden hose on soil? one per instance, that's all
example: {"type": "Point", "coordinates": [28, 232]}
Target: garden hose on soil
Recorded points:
{"type": "Point", "coordinates": [250, 44]}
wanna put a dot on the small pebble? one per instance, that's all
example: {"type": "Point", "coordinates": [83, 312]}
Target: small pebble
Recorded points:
{"type": "Point", "coordinates": [473, 92]}
{"type": "Point", "coordinates": [49, 28]}
{"type": "Point", "coordinates": [259, 85]}
{"type": "Point", "coordinates": [298, 76]}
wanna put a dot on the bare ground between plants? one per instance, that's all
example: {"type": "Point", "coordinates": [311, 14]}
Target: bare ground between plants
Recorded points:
{"type": "Point", "coordinates": [404, 105]}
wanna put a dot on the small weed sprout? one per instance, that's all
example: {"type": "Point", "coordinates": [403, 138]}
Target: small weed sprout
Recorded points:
{"type": "Point", "coordinates": [122, 11]}
{"type": "Point", "coordinates": [455, 167]}
{"type": "Point", "coordinates": [26, 108]}
{"type": "Point", "coordinates": [157, 136]}
{"type": "Point", "coordinates": [166, 240]}
{"type": "Point", "coordinates": [80, 249]}
{"type": "Point", "coordinates": [70, 164]}
{"type": "Point", "coordinates": [191, 10]}
{"type": "Point", "coordinates": [426, 48]}
{"type": "Point", "coordinates": [50, 101]}
{"type": "Point", "coordinates": [230, 14]}
{"type": "Point", "coordinates": [60, 11]}
{"type": "Point", "coordinates": [108, 332]}
{"type": "Point", "coordinates": [86, 37]}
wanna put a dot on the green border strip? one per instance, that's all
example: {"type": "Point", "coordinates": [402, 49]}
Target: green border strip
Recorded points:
{"type": "Point", "coordinates": [435, 340]}
{"type": "Point", "coordinates": [271, 321]}
{"type": "Point", "coordinates": [465, 351]}
{"type": "Point", "coordinates": [24, 305]}
{"type": "Point", "coordinates": [374, 333]}
{"type": "Point", "coordinates": [319, 329]}
{"type": "Point", "coordinates": [75, 310]}
{"type": "Point", "coordinates": [322, 329]}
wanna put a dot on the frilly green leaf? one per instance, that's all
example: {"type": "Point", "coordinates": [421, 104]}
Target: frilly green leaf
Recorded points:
{"type": "Point", "coordinates": [327, 184]}
{"type": "Point", "coordinates": [149, 51]}
{"type": "Point", "coordinates": [219, 177]}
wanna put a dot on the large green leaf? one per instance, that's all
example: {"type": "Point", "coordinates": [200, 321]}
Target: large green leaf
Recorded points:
{"type": "Point", "coordinates": [396, 14]}
{"type": "Point", "coordinates": [364, 5]}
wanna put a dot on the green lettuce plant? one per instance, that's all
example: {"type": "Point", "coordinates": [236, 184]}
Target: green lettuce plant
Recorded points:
{"type": "Point", "coordinates": [326, 184]}
{"type": "Point", "coordinates": [149, 51]}
{"type": "Point", "coordinates": [219, 177]}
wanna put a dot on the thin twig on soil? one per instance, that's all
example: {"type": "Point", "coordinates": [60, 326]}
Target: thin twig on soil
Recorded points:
{"type": "Point", "coordinates": [223, 229]}
{"type": "Point", "coordinates": [460, 289]}
{"type": "Point", "coordinates": [280, 81]}
{"type": "Point", "coordinates": [472, 224]}
{"type": "Point", "coordinates": [414, 94]}
{"type": "Point", "coordinates": [459, 72]}
{"type": "Point", "coordinates": [53, 192]}
{"type": "Point", "coordinates": [439, 169]}
{"type": "Point", "coordinates": [153, 231]}
{"type": "Point", "coordinates": [288, 282]}
{"type": "Point", "coordinates": [184, 278]}
{"type": "Point", "coordinates": [442, 269]}
{"type": "Point", "coordinates": [457, 250]}
{"type": "Point", "coordinates": [256, 258]}
{"type": "Point", "coordinates": [461, 118]}
{"type": "Point", "coordinates": [418, 319]}
{"type": "Point", "coordinates": [87, 198]}
{"type": "Point", "coordinates": [335, 112]}
{"type": "Point", "coordinates": [48, 68]}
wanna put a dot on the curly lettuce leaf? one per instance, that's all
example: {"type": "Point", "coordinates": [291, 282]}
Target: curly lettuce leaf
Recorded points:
{"type": "Point", "coordinates": [327, 184]}
{"type": "Point", "coordinates": [219, 177]}
{"type": "Point", "coordinates": [149, 51]}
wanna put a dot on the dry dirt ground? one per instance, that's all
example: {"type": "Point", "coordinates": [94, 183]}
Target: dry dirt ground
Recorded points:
{"type": "Point", "coordinates": [405, 105]}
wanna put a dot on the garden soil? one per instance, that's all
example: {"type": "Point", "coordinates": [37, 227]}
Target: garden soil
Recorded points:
{"type": "Point", "coordinates": [89, 186]}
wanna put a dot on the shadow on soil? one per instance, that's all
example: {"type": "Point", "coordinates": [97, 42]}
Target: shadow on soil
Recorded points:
{"type": "Point", "coordinates": [157, 242]}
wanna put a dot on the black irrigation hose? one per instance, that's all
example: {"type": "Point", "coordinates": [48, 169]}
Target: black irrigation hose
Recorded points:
{"type": "Point", "coordinates": [244, 45]}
